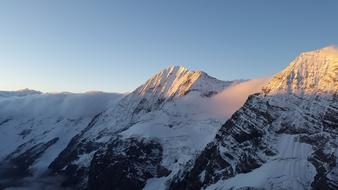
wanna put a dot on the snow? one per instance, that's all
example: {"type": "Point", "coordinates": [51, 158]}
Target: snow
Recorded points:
{"type": "Point", "coordinates": [65, 131]}
{"type": "Point", "coordinates": [182, 127]}
{"type": "Point", "coordinates": [297, 100]}
{"type": "Point", "coordinates": [44, 117]}
{"type": "Point", "coordinates": [183, 124]}
{"type": "Point", "coordinates": [84, 160]}
{"type": "Point", "coordinates": [289, 169]}
{"type": "Point", "coordinates": [156, 183]}
{"type": "Point", "coordinates": [186, 125]}
{"type": "Point", "coordinates": [173, 109]}
{"type": "Point", "coordinates": [176, 107]}
{"type": "Point", "coordinates": [310, 73]}
{"type": "Point", "coordinates": [177, 81]}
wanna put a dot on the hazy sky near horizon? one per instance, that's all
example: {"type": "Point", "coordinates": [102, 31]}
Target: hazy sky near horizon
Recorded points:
{"type": "Point", "coordinates": [108, 45]}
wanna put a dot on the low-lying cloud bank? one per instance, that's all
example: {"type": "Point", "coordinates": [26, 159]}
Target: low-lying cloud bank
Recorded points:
{"type": "Point", "coordinates": [70, 105]}
{"type": "Point", "coordinates": [233, 97]}
{"type": "Point", "coordinates": [225, 103]}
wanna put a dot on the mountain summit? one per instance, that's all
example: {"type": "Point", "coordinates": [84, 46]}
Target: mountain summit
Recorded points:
{"type": "Point", "coordinates": [311, 72]}
{"type": "Point", "coordinates": [178, 81]}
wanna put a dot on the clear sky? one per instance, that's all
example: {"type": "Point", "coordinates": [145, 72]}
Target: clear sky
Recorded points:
{"type": "Point", "coordinates": [107, 45]}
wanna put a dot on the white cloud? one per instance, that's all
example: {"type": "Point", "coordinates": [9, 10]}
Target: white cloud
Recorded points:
{"type": "Point", "coordinates": [233, 97]}
{"type": "Point", "coordinates": [60, 104]}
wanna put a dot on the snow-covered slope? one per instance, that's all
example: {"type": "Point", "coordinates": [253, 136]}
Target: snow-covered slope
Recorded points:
{"type": "Point", "coordinates": [165, 112]}
{"type": "Point", "coordinates": [282, 138]}
{"type": "Point", "coordinates": [310, 73]}
{"type": "Point", "coordinates": [34, 129]}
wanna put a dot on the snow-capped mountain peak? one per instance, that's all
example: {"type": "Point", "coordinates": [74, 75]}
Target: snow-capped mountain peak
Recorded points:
{"type": "Point", "coordinates": [178, 81]}
{"type": "Point", "coordinates": [311, 72]}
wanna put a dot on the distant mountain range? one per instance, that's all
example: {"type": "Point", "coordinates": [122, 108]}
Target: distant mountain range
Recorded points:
{"type": "Point", "coordinates": [18, 93]}
{"type": "Point", "coordinates": [176, 132]}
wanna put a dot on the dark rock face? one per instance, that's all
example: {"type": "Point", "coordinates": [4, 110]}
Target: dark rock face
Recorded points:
{"type": "Point", "coordinates": [126, 164]}
{"type": "Point", "coordinates": [244, 141]}
{"type": "Point", "coordinates": [75, 176]}
{"type": "Point", "coordinates": [325, 156]}
{"type": "Point", "coordinates": [241, 145]}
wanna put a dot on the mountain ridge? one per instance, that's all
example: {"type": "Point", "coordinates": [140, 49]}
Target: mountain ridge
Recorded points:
{"type": "Point", "coordinates": [176, 81]}
{"type": "Point", "coordinates": [282, 138]}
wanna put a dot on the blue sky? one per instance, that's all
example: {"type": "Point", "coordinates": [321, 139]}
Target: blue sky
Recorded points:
{"type": "Point", "coordinates": [82, 45]}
